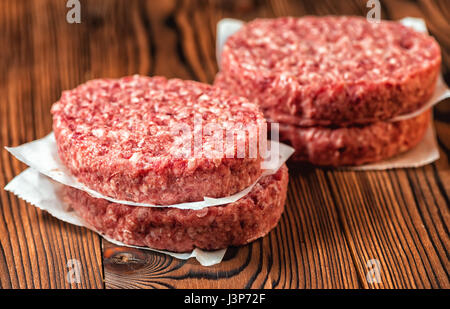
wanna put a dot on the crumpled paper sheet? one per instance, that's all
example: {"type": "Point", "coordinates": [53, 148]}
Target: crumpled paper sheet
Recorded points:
{"type": "Point", "coordinates": [42, 192]}
{"type": "Point", "coordinates": [426, 152]}
{"type": "Point", "coordinates": [42, 155]}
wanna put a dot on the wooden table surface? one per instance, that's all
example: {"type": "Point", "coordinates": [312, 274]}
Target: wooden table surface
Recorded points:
{"type": "Point", "coordinates": [334, 222]}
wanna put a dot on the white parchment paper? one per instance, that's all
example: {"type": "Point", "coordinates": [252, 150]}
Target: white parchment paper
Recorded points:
{"type": "Point", "coordinates": [425, 153]}
{"type": "Point", "coordinates": [42, 192]}
{"type": "Point", "coordinates": [42, 155]}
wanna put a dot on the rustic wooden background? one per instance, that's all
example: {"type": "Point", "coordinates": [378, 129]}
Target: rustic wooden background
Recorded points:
{"type": "Point", "coordinates": [335, 221]}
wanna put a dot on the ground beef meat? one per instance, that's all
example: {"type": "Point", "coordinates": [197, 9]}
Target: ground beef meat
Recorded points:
{"type": "Point", "coordinates": [117, 137]}
{"type": "Point", "coordinates": [181, 230]}
{"type": "Point", "coordinates": [330, 70]}
{"type": "Point", "coordinates": [354, 145]}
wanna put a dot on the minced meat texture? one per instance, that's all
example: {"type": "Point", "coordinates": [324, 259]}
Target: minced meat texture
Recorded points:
{"type": "Point", "coordinates": [117, 137]}
{"type": "Point", "coordinates": [331, 70]}
{"type": "Point", "coordinates": [182, 230]}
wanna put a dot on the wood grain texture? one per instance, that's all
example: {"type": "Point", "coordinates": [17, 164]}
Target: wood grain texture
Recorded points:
{"type": "Point", "coordinates": [35, 247]}
{"type": "Point", "coordinates": [335, 221]}
{"type": "Point", "coordinates": [306, 250]}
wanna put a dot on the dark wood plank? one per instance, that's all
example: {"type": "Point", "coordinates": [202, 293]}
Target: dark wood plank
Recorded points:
{"type": "Point", "coordinates": [306, 250]}
{"type": "Point", "coordinates": [334, 222]}
{"type": "Point", "coordinates": [398, 218]}
{"type": "Point", "coordinates": [35, 247]}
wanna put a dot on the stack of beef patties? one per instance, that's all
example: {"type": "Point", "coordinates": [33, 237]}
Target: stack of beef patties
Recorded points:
{"type": "Point", "coordinates": [337, 86]}
{"type": "Point", "coordinates": [144, 140]}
